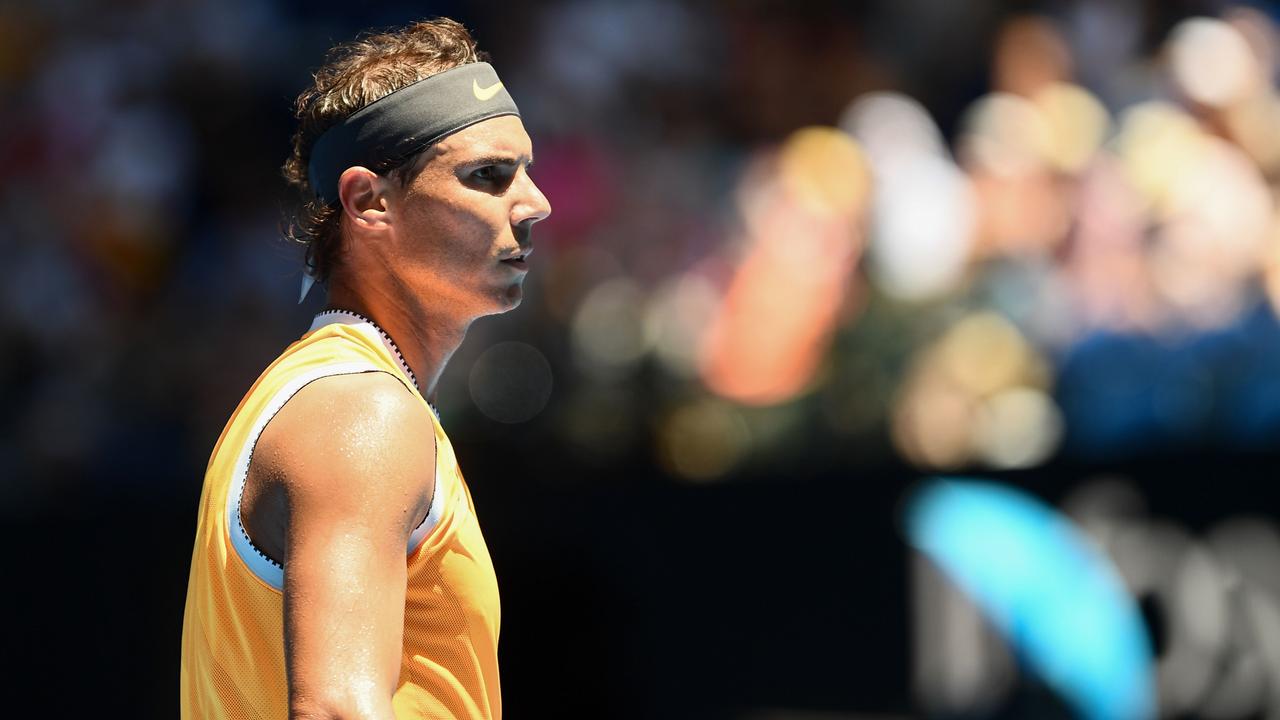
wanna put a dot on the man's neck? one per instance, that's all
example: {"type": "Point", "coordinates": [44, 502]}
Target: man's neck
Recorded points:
{"type": "Point", "coordinates": [426, 339]}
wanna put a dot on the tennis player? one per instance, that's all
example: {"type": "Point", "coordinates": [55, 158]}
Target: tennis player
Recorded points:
{"type": "Point", "coordinates": [339, 569]}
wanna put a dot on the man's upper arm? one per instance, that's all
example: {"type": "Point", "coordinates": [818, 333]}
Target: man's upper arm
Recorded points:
{"type": "Point", "coordinates": [356, 457]}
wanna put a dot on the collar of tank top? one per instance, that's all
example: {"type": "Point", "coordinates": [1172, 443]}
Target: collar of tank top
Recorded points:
{"type": "Point", "coordinates": [352, 317]}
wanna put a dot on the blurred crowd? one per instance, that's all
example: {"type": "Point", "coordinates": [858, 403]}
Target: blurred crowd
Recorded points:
{"type": "Point", "coordinates": [954, 235]}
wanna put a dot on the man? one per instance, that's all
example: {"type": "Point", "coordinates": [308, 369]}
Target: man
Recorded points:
{"type": "Point", "coordinates": [339, 570]}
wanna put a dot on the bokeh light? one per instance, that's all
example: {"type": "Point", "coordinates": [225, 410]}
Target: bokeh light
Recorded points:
{"type": "Point", "coordinates": [978, 396]}
{"type": "Point", "coordinates": [676, 319]}
{"type": "Point", "coordinates": [1017, 428]}
{"type": "Point", "coordinates": [511, 382]}
{"type": "Point", "coordinates": [923, 209]}
{"type": "Point", "coordinates": [608, 327]}
{"type": "Point", "coordinates": [703, 439]}
{"type": "Point", "coordinates": [1212, 62]}
{"type": "Point", "coordinates": [1077, 122]}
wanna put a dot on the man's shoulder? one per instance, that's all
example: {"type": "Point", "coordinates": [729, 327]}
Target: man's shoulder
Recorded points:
{"type": "Point", "coordinates": [360, 399]}
{"type": "Point", "coordinates": [339, 432]}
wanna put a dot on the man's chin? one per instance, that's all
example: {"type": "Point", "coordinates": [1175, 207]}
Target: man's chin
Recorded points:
{"type": "Point", "coordinates": [508, 299]}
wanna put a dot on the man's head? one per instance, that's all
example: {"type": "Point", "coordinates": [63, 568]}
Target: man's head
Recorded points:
{"type": "Point", "coordinates": [437, 219]}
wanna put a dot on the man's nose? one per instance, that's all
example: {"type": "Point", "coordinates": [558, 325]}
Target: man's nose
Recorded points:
{"type": "Point", "coordinates": [533, 205]}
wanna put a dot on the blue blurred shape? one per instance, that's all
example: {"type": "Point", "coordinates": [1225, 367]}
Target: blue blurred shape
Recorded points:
{"type": "Point", "coordinates": [1056, 597]}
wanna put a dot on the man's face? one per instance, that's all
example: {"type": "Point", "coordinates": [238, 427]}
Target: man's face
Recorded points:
{"type": "Point", "coordinates": [462, 221]}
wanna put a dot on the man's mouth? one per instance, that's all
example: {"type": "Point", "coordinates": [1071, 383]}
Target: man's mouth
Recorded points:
{"type": "Point", "coordinates": [517, 262]}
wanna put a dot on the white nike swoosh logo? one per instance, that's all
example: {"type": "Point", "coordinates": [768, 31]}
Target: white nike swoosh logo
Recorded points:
{"type": "Point", "coordinates": [483, 94]}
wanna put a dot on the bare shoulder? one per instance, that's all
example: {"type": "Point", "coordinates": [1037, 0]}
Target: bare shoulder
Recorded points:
{"type": "Point", "coordinates": [351, 448]}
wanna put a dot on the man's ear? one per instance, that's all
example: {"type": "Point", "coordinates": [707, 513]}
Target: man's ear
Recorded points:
{"type": "Point", "coordinates": [362, 194]}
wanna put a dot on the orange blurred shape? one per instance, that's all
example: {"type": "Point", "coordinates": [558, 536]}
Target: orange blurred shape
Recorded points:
{"type": "Point", "coordinates": [802, 218]}
{"type": "Point", "coordinates": [1030, 53]}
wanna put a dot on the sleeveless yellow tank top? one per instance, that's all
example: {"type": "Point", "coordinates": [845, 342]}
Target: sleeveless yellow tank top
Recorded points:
{"type": "Point", "coordinates": [233, 629]}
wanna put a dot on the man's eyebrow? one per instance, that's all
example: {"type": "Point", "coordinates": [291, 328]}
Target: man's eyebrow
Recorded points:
{"type": "Point", "coordinates": [497, 159]}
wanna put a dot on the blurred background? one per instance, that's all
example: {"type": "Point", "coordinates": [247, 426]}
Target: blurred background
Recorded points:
{"type": "Point", "coordinates": [804, 258]}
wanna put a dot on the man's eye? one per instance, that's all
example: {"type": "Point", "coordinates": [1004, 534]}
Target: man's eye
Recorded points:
{"type": "Point", "coordinates": [488, 173]}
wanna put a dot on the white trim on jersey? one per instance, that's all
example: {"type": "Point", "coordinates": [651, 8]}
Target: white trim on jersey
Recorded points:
{"type": "Point", "coordinates": [371, 331]}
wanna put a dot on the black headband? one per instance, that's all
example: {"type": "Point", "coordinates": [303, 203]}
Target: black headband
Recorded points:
{"type": "Point", "coordinates": [394, 127]}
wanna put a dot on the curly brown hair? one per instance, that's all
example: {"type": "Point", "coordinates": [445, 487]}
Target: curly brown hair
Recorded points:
{"type": "Point", "coordinates": [353, 75]}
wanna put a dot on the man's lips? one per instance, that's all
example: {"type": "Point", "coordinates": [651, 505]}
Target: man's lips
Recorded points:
{"type": "Point", "coordinates": [519, 261]}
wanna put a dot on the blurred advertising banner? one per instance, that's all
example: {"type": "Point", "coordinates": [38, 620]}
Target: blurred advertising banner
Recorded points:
{"type": "Point", "coordinates": [1121, 613]}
